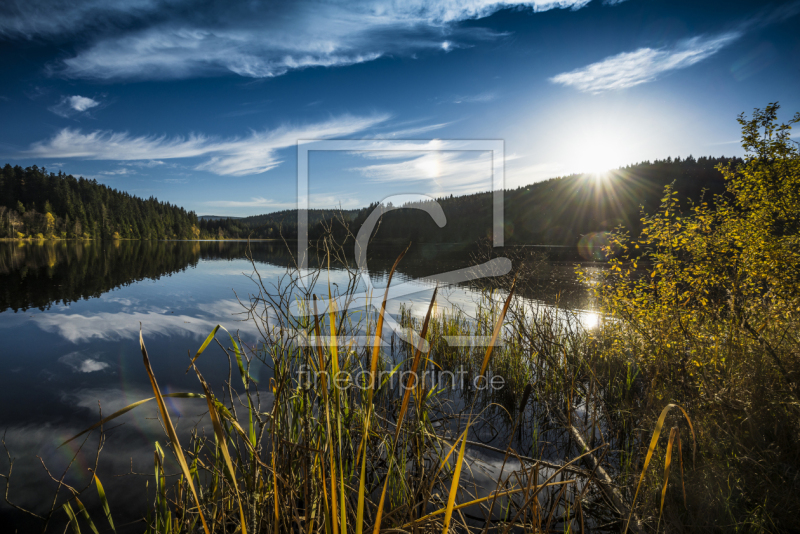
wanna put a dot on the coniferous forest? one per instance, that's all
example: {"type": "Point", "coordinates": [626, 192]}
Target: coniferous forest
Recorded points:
{"type": "Point", "coordinates": [38, 204]}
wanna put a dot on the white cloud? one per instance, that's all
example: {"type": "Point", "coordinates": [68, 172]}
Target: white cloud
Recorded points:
{"type": "Point", "coordinates": [253, 154]}
{"type": "Point", "coordinates": [148, 164]}
{"type": "Point", "coordinates": [643, 65]}
{"type": "Point", "coordinates": [473, 99]}
{"type": "Point", "coordinates": [251, 39]}
{"type": "Point", "coordinates": [79, 328]}
{"type": "Point", "coordinates": [436, 172]}
{"type": "Point", "coordinates": [80, 363]}
{"type": "Point", "coordinates": [81, 103]}
{"type": "Point", "coordinates": [118, 172]}
{"type": "Point", "coordinates": [73, 105]}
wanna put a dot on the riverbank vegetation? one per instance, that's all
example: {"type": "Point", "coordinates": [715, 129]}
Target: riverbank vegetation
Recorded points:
{"type": "Point", "coordinates": [673, 407]}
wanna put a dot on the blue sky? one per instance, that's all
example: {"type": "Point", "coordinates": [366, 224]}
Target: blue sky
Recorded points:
{"type": "Point", "coordinates": [202, 103]}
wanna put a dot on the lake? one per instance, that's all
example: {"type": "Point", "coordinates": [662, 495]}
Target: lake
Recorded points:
{"type": "Point", "coordinates": [70, 314]}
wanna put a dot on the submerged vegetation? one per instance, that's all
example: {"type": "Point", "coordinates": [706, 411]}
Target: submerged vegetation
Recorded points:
{"type": "Point", "coordinates": [676, 410]}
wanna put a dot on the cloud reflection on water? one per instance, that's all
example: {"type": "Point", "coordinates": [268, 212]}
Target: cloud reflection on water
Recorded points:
{"type": "Point", "coordinates": [115, 326]}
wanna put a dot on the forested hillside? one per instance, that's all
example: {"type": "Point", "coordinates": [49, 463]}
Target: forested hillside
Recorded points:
{"type": "Point", "coordinates": [35, 203]}
{"type": "Point", "coordinates": [560, 211]}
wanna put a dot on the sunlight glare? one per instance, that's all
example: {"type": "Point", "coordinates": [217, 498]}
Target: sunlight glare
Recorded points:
{"type": "Point", "coordinates": [430, 165]}
{"type": "Point", "coordinates": [599, 152]}
{"type": "Point", "coordinates": [590, 320]}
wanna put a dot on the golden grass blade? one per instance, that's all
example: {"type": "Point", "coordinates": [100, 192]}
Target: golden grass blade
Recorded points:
{"type": "Point", "coordinates": [173, 436]}
{"type": "Point", "coordinates": [482, 499]}
{"type": "Point", "coordinates": [667, 463]}
{"type": "Point", "coordinates": [414, 365]}
{"type": "Point", "coordinates": [223, 445]}
{"type": "Point", "coordinates": [447, 456]}
{"type": "Point", "coordinates": [379, 514]}
{"type": "Point", "coordinates": [652, 448]}
{"type": "Point", "coordinates": [101, 493]}
{"type": "Point", "coordinates": [497, 328]}
{"type": "Point", "coordinates": [373, 369]}
{"type": "Point", "coordinates": [333, 346]}
{"type": "Point", "coordinates": [451, 497]}
{"type": "Point", "coordinates": [376, 349]}
{"type": "Point", "coordinates": [129, 408]}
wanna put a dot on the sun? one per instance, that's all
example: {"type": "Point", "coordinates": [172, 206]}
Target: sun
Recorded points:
{"type": "Point", "coordinates": [598, 152]}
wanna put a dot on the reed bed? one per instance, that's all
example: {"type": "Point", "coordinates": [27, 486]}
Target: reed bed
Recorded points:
{"type": "Point", "coordinates": [350, 437]}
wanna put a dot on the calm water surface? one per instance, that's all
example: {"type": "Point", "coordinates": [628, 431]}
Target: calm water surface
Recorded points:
{"type": "Point", "coordinates": [69, 323]}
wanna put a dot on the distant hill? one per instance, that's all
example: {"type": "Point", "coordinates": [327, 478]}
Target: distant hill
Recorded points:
{"type": "Point", "coordinates": [290, 216]}
{"type": "Point", "coordinates": [559, 211]}
{"type": "Point", "coordinates": [215, 217]}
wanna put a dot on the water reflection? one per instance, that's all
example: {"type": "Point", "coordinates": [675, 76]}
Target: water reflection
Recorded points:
{"type": "Point", "coordinates": [70, 314]}
{"type": "Point", "coordinates": [40, 274]}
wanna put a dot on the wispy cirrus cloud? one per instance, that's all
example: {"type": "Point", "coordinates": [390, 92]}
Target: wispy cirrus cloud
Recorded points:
{"type": "Point", "coordinates": [253, 202]}
{"type": "Point", "coordinates": [343, 200]}
{"type": "Point", "coordinates": [118, 172]}
{"type": "Point", "coordinates": [487, 96]}
{"type": "Point", "coordinates": [644, 65]}
{"type": "Point", "coordinates": [156, 39]}
{"type": "Point", "coordinates": [47, 18]}
{"type": "Point", "coordinates": [239, 156]}
{"type": "Point", "coordinates": [408, 133]}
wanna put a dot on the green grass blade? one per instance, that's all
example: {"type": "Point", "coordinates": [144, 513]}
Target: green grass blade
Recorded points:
{"type": "Point", "coordinates": [205, 344]}
{"type": "Point", "coordinates": [104, 502]}
{"type": "Point", "coordinates": [73, 521]}
{"type": "Point", "coordinates": [85, 514]}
